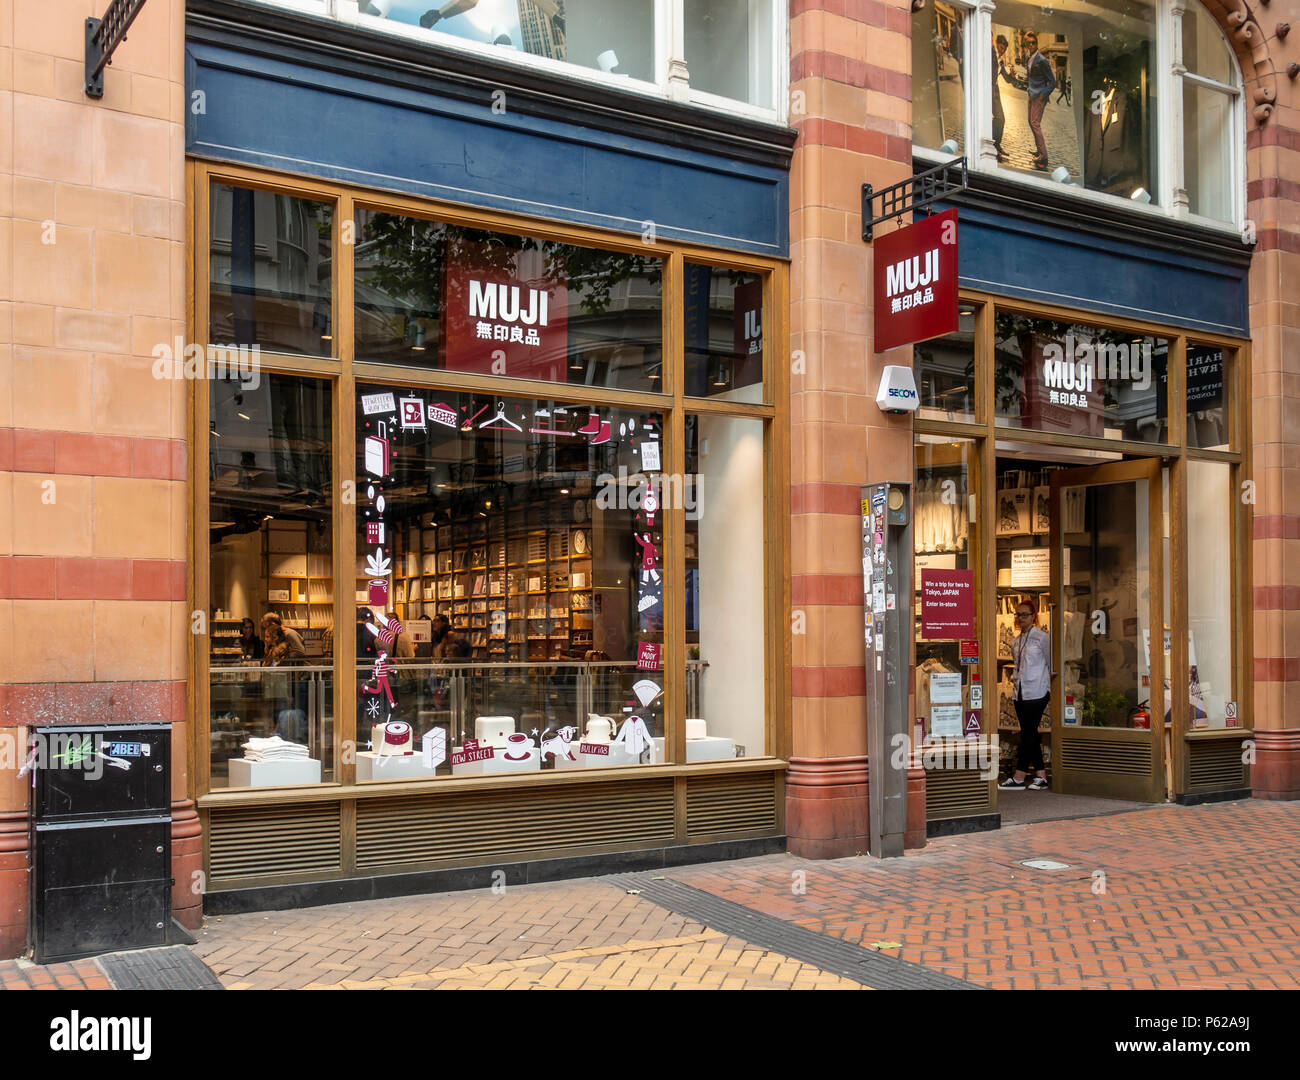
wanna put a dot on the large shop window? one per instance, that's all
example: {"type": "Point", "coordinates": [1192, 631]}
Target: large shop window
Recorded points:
{"type": "Point", "coordinates": [1074, 379]}
{"type": "Point", "coordinates": [1210, 640]}
{"type": "Point", "coordinates": [442, 296]}
{"type": "Point", "coordinates": [271, 572]}
{"type": "Point", "coordinates": [509, 584]}
{"type": "Point", "coordinates": [1070, 93]}
{"type": "Point", "coordinates": [942, 534]}
{"type": "Point", "coordinates": [269, 271]}
{"type": "Point", "coordinates": [725, 567]}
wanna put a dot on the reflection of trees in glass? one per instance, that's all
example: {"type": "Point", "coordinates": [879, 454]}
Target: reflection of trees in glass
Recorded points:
{"type": "Point", "coordinates": [406, 257]}
{"type": "Point", "coordinates": [1013, 340]}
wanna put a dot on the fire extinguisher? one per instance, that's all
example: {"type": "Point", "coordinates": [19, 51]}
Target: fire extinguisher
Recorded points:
{"type": "Point", "coordinates": [1141, 717]}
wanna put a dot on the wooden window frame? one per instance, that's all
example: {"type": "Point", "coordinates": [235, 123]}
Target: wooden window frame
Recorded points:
{"type": "Point", "coordinates": [343, 372]}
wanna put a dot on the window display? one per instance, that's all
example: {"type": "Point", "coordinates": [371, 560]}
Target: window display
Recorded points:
{"type": "Point", "coordinates": [510, 571]}
{"type": "Point", "coordinates": [271, 572]}
{"type": "Point", "coordinates": [1076, 91]}
{"type": "Point", "coordinates": [939, 78]}
{"type": "Point", "coordinates": [515, 543]}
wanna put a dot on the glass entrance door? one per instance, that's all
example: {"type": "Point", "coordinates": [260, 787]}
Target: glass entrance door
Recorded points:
{"type": "Point", "coordinates": [1108, 631]}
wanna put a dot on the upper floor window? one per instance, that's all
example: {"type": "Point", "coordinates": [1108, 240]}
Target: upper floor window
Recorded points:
{"type": "Point", "coordinates": [1138, 99]}
{"type": "Point", "coordinates": [717, 52]}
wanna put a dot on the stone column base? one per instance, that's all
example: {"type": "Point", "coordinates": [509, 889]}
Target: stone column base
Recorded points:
{"type": "Point", "coordinates": [826, 810]}
{"type": "Point", "coordinates": [1276, 772]}
{"type": "Point", "coordinates": [187, 865]}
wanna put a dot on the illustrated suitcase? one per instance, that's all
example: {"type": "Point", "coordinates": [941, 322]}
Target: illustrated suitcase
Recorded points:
{"type": "Point", "coordinates": [377, 452]}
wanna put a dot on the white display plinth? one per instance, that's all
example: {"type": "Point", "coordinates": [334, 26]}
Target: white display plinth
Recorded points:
{"type": "Point", "coordinates": [498, 764]}
{"type": "Point", "coordinates": [618, 755]}
{"type": "Point", "coordinates": [702, 749]}
{"type": "Point", "coordinates": [394, 766]}
{"type": "Point", "coordinates": [244, 773]}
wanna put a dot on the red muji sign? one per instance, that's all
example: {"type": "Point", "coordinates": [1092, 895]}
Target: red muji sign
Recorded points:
{"type": "Point", "coordinates": [916, 282]}
{"type": "Point", "coordinates": [947, 604]}
{"type": "Point", "coordinates": [496, 323]}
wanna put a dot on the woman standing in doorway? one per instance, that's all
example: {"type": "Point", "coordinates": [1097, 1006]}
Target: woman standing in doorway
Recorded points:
{"type": "Point", "coordinates": [1031, 653]}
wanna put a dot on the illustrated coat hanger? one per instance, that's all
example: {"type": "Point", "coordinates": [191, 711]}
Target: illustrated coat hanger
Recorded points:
{"type": "Point", "coordinates": [500, 421]}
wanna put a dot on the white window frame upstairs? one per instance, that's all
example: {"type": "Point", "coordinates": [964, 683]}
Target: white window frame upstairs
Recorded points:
{"type": "Point", "coordinates": [1170, 76]}
{"type": "Point", "coordinates": [671, 77]}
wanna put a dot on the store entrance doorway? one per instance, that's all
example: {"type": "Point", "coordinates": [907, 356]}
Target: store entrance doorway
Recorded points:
{"type": "Point", "coordinates": [1107, 590]}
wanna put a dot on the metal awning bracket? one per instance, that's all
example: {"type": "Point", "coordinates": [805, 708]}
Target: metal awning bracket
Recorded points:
{"type": "Point", "coordinates": [907, 195]}
{"type": "Point", "coordinates": [102, 37]}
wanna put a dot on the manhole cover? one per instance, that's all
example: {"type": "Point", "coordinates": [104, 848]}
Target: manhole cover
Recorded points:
{"type": "Point", "coordinates": [1045, 864]}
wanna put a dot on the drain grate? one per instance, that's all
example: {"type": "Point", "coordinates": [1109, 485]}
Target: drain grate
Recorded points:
{"type": "Point", "coordinates": [874, 969]}
{"type": "Point", "coordinates": [172, 968]}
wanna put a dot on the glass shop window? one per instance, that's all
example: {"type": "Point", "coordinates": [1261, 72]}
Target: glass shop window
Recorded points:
{"type": "Point", "coordinates": [729, 49]}
{"type": "Point", "coordinates": [614, 36]}
{"type": "Point", "coordinates": [443, 296]}
{"type": "Point", "coordinates": [723, 327]}
{"type": "Point", "coordinates": [1209, 117]}
{"type": "Point", "coordinates": [509, 584]}
{"type": "Point", "coordinates": [271, 620]}
{"type": "Point", "coordinates": [939, 78]}
{"type": "Point", "coordinates": [943, 600]}
{"type": "Point", "coordinates": [1209, 596]}
{"type": "Point", "coordinates": [1074, 93]}
{"type": "Point", "coordinates": [945, 373]}
{"type": "Point", "coordinates": [1208, 378]}
{"type": "Point", "coordinates": [722, 496]}
{"type": "Point", "coordinates": [270, 263]}
{"type": "Point", "coordinates": [1075, 379]}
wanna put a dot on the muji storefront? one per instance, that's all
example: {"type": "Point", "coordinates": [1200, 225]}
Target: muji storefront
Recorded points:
{"type": "Point", "coordinates": [1082, 449]}
{"type": "Point", "coordinates": [491, 546]}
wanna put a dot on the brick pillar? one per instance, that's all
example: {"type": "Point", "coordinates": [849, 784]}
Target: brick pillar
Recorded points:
{"type": "Point", "coordinates": [94, 623]}
{"type": "Point", "coordinates": [850, 72]}
{"type": "Point", "coordinates": [1273, 191]}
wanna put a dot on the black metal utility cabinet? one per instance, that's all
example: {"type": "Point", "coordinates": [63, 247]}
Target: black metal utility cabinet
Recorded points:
{"type": "Point", "coordinates": [100, 839]}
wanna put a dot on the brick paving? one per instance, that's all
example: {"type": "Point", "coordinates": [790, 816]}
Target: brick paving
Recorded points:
{"type": "Point", "coordinates": [1164, 897]}
{"type": "Point", "coordinates": [77, 975]}
{"type": "Point", "coordinates": [1169, 897]}
{"type": "Point", "coordinates": [587, 934]}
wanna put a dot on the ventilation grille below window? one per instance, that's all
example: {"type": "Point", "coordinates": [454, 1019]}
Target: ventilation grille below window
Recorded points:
{"type": "Point", "coordinates": [442, 828]}
{"type": "Point", "coordinates": [1215, 766]}
{"type": "Point", "coordinates": [1128, 756]}
{"type": "Point", "coordinates": [955, 793]}
{"type": "Point", "coordinates": [724, 804]}
{"type": "Point", "coordinates": [258, 841]}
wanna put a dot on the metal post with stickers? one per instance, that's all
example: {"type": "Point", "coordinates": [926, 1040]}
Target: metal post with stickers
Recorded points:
{"type": "Point", "coordinates": [886, 575]}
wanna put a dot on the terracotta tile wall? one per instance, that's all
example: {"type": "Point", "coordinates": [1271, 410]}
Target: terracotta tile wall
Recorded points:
{"type": "Point", "coordinates": [93, 511]}
{"type": "Point", "coordinates": [851, 62]}
{"type": "Point", "coordinates": [1273, 190]}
